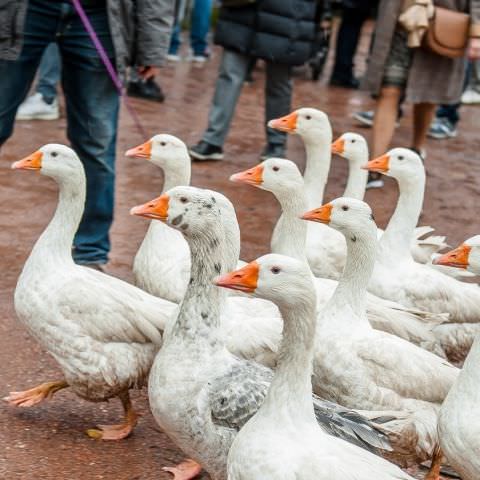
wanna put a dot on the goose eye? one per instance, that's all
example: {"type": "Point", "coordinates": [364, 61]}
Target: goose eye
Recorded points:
{"type": "Point", "coordinates": [275, 270]}
{"type": "Point", "coordinates": [400, 157]}
{"type": "Point", "coordinates": [184, 199]}
{"type": "Point", "coordinates": [276, 169]}
{"type": "Point", "coordinates": [345, 208]}
{"type": "Point", "coordinates": [163, 144]}
{"type": "Point", "coordinates": [353, 140]}
{"type": "Point", "coordinates": [54, 154]}
{"type": "Point", "coordinates": [308, 117]}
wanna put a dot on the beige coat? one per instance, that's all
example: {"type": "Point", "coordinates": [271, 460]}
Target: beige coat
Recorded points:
{"type": "Point", "coordinates": [432, 78]}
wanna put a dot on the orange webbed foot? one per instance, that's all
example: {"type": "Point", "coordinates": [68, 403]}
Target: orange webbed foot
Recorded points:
{"type": "Point", "coordinates": [111, 432]}
{"type": "Point", "coordinates": [35, 395]}
{"type": "Point", "coordinates": [186, 470]}
{"type": "Point", "coordinates": [121, 431]}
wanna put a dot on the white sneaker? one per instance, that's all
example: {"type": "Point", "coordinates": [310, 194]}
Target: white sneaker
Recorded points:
{"type": "Point", "coordinates": [470, 97]}
{"type": "Point", "coordinates": [199, 58]}
{"type": "Point", "coordinates": [173, 57]}
{"type": "Point", "coordinates": [36, 108]}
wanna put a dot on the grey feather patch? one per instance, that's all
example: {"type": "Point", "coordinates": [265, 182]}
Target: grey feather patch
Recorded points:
{"type": "Point", "coordinates": [177, 219]}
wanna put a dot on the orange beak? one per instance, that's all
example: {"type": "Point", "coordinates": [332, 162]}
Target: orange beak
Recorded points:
{"type": "Point", "coordinates": [142, 151]}
{"type": "Point", "coordinates": [455, 258]}
{"type": "Point", "coordinates": [338, 146]}
{"type": "Point", "coordinates": [288, 123]}
{"type": "Point", "coordinates": [321, 215]}
{"type": "Point", "coordinates": [252, 176]}
{"type": "Point", "coordinates": [32, 162]}
{"type": "Point", "coordinates": [379, 164]}
{"type": "Point", "coordinates": [156, 209]}
{"type": "Point", "coordinates": [244, 279]}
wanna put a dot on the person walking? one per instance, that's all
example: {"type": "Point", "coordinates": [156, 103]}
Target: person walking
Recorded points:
{"type": "Point", "coordinates": [199, 27]}
{"type": "Point", "coordinates": [426, 79]}
{"type": "Point", "coordinates": [282, 34]}
{"type": "Point", "coordinates": [92, 101]}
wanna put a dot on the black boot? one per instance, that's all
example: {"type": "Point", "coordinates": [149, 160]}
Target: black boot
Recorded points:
{"type": "Point", "coordinates": [147, 89]}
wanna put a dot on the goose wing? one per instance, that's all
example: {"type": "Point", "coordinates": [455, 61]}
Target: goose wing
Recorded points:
{"type": "Point", "coordinates": [111, 310]}
{"type": "Point", "coordinates": [237, 395]}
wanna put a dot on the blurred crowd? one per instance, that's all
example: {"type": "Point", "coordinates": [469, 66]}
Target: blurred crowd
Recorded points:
{"type": "Point", "coordinates": [46, 43]}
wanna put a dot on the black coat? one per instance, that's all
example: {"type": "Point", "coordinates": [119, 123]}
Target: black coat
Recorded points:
{"type": "Point", "coordinates": [280, 31]}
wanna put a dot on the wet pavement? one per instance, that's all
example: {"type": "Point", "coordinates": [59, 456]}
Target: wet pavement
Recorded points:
{"type": "Point", "coordinates": [48, 441]}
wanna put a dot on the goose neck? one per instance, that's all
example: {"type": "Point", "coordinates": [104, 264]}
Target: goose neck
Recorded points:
{"type": "Point", "coordinates": [292, 231]}
{"type": "Point", "coordinates": [351, 290]}
{"type": "Point", "coordinates": [291, 388]}
{"type": "Point", "coordinates": [470, 374]}
{"type": "Point", "coordinates": [357, 179]}
{"type": "Point", "coordinates": [212, 254]}
{"type": "Point", "coordinates": [57, 239]}
{"type": "Point", "coordinates": [178, 176]}
{"type": "Point", "coordinates": [318, 155]}
{"type": "Point", "coordinates": [401, 227]}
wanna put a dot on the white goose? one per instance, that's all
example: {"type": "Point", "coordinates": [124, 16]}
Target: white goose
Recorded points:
{"type": "Point", "coordinates": [353, 147]}
{"type": "Point", "coordinates": [103, 332]}
{"type": "Point", "coordinates": [282, 178]}
{"type": "Point", "coordinates": [398, 277]}
{"type": "Point", "coordinates": [325, 247]}
{"type": "Point", "coordinates": [314, 127]}
{"type": "Point", "coordinates": [283, 439]}
{"type": "Point", "coordinates": [458, 424]}
{"type": "Point", "coordinates": [162, 263]}
{"type": "Point", "coordinates": [200, 394]}
{"type": "Point", "coordinates": [360, 366]}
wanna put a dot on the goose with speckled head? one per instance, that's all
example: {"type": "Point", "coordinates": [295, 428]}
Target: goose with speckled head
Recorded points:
{"type": "Point", "coordinates": [201, 394]}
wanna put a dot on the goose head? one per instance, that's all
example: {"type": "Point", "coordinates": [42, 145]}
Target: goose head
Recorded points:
{"type": "Point", "coordinates": [276, 175]}
{"type": "Point", "coordinates": [188, 209]}
{"type": "Point", "coordinates": [53, 160]}
{"type": "Point", "coordinates": [283, 280]}
{"type": "Point", "coordinates": [352, 217]}
{"type": "Point", "coordinates": [402, 164]}
{"type": "Point", "coordinates": [351, 146]}
{"type": "Point", "coordinates": [311, 124]}
{"type": "Point", "coordinates": [166, 151]}
{"type": "Point", "coordinates": [206, 219]}
{"type": "Point", "coordinates": [466, 256]}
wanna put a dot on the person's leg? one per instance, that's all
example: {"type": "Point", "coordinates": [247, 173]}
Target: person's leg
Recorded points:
{"type": "Point", "coordinates": [347, 41]}
{"type": "Point", "coordinates": [16, 76]}
{"type": "Point", "coordinates": [202, 10]}
{"type": "Point", "coordinates": [92, 105]}
{"type": "Point", "coordinates": [474, 82]}
{"type": "Point", "coordinates": [278, 100]}
{"type": "Point", "coordinates": [450, 112]}
{"type": "Point", "coordinates": [385, 119]}
{"type": "Point", "coordinates": [175, 40]}
{"type": "Point", "coordinates": [233, 70]}
{"type": "Point", "coordinates": [49, 73]}
{"type": "Point", "coordinates": [423, 114]}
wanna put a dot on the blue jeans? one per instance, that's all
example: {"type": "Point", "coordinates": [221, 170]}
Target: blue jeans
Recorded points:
{"type": "Point", "coordinates": [49, 73]}
{"type": "Point", "coordinates": [202, 10]}
{"type": "Point", "coordinates": [92, 104]}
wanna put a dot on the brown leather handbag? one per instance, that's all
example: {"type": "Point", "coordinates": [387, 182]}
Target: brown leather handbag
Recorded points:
{"type": "Point", "coordinates": [447, 33]}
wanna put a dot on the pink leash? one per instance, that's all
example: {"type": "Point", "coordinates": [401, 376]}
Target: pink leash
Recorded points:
{"type": "Point", "coordinates": [110, 68]}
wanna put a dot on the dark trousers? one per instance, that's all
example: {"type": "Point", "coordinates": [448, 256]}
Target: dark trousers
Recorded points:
{"type": "Point", "coordinates": [347, 41]}
{"type": "Point", "coordinates": [234, 68]}
{"type": "Point", "coordinates": [92, 105]}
